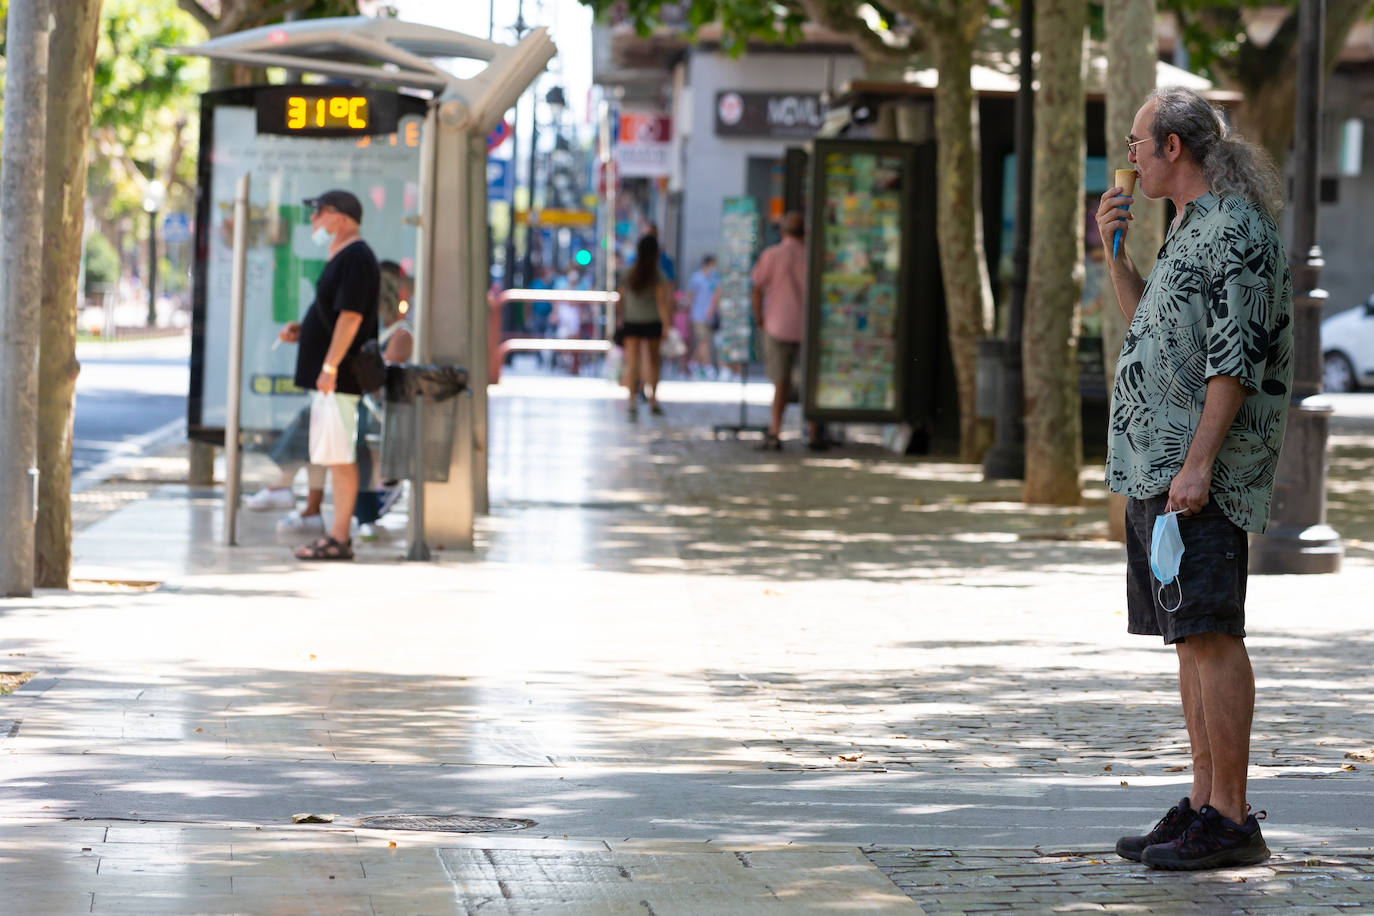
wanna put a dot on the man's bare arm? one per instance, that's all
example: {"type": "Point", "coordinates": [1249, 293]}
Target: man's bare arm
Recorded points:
{"type": "Point", "coordinates": [345, 329]}
{"type": "Point", "coordinates": [1128, 286]}
{"type": "Point", "coordinates": [1112, 216]}
{"type": "Point", "coordinates": [1190, 490]}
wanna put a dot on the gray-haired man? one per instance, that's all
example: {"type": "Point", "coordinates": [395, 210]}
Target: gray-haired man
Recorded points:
{"type": "Point", "coordinates": [1198, 412]}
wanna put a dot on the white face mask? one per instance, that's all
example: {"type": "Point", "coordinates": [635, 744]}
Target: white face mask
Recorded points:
{"type": "Point", "coordinates": [1166, 554]}
{"type": "Point", "coordinates": [322, 237]}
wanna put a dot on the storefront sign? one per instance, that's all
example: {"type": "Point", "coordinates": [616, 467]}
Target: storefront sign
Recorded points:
{"type": "Point", "coordinates": [768, 114]}
{"type": "Point", "coordinates": [642, 144]}
{"type": "Point", "coordinates": [560, 218]}
{"type": "Point", "coordinates": [498, 180]}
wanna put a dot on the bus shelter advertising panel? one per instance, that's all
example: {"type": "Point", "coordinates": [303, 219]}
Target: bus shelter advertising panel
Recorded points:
{"type": "Point", "coordinates": [859, 287]}
{"type": "Point", "coordinates": [295, 142]}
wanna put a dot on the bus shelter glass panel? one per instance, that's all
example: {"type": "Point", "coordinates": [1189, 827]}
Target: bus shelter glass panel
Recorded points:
{"type": "Point", "coordinates": [283, 262]}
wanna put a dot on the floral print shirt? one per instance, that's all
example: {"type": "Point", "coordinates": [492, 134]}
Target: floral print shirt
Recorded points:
{"type": "Point", "coordinates": [1219, 301]}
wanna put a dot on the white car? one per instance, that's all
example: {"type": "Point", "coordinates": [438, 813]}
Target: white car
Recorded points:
{"type": "Point", "coordinates": [1348, 349]}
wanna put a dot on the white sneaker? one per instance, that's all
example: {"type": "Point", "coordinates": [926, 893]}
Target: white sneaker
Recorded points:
{"type": "Point", "coordinates": [370, 532]}
{"type": "Point", "coordinates": [268, 499]}
{"type": "Point", "coordinates": [297, 522]}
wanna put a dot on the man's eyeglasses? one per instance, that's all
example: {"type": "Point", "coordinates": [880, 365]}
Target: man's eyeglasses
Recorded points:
{"type": "Point", "coordinates": [1131, 144]}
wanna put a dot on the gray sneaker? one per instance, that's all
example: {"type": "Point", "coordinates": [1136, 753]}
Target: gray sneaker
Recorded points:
{"type": "Point", "coordinates": [1170, 827]}
{"type": "Point", "coordinates": [1211, 841]}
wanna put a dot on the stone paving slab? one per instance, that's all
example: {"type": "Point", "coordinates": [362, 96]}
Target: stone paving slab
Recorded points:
{"type": "Point", "coordinates": [1295, 880]}
{"type": "Point", "coordinates": [238, 869]}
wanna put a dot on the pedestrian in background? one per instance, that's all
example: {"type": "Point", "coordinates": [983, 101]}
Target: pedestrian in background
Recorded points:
{"type": "Point", "coordinates": [701, 290]}
{"type": "Point", "coordinates": [396, 339]}
{"type": "Point", "coordinates": [646, 311]}
{"type": "Point", "coordinates": [779, 300]}
{"type": "Point", "coordinates": [1197, 420]}
{"type": "Point", "coordinates": [568, 318]}
{"type": "Point", "coordinates": [342, 317]}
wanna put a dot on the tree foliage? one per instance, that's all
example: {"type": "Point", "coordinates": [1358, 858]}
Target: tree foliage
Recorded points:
{"type": "Point", "coordinates": [1219, 45]}
{"type": "Point", "coordinates": [143, 104]}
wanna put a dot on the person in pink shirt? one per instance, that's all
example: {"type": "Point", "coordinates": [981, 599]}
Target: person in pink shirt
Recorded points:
{"type": "Point", "coordinates": [779, 299]}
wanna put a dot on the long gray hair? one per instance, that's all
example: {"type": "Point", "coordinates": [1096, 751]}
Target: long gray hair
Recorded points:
{"type": "Point", "coordinates": [1230, 164]}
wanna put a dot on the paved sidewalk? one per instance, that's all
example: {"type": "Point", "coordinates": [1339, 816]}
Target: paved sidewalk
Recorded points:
{"type": "Point", "coordinates": [717, 680]}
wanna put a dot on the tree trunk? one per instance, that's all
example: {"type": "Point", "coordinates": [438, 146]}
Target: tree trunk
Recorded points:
{"type": "Point", "coordinates": [1054, 447]}
{"type": "Point", "coordinates": [1132, 50]}
{"type": "Point", "coordinates": [959, 225]}
{"type": "Point", "coordinates": [21, 263]}
{"type": "Point", "coordinates": [64, 196]}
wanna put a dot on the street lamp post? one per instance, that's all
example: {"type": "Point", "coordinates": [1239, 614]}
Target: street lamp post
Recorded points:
{"type": "Point", "coordinates": [554, 99]}
{"type": "Point", "coordinates": [1006, 460]}
{"type": "Point", "coordinates": [1298, 540]}
{"type": "Point", "coordinates": [154, 195]}
{"type": "Point", "coordinates": [508, 268]}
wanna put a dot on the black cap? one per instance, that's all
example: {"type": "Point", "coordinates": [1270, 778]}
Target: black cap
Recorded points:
{"type": "Point", "coordinates": [343, 201]}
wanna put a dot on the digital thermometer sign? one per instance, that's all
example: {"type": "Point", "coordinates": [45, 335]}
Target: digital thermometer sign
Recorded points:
{"type": "Point", "coordinates": [326, 111]}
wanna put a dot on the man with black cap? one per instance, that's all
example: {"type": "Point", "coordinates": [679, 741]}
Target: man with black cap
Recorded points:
{"type": "Point", "coordinates": [340, 320]}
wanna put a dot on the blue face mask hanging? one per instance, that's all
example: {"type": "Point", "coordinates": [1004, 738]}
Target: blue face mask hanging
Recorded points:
{"type": "Point", "coordinates": [1166, 553]}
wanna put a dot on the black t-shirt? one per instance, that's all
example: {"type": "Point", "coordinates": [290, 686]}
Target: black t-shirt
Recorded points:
{"type": "Point", "coordinates": [350, 282]}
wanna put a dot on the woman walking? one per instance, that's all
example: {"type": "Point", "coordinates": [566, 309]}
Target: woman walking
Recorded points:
{"type": "Point", "coordinates": [646, 311]}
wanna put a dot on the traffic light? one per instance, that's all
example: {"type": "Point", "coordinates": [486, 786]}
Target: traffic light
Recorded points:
{"type": "Point", "coordinates": [583, 257]}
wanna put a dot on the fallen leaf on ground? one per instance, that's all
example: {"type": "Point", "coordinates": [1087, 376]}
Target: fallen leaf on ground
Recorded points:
{"type": "Point", "coordinates": [1108, 768]}
{"type": "Point", "coordinates": [312, 818]}
{"type": "Point", "coordinates": [1175, 769]}
{"type": "Point", "coordinates": [391, 844]}
{"type": "Point", "coordinates": [1349, 766]}
{"type": "Point", "coordinates": [851, 757]}
{"type": "Point", "coordinates": [1125, 783]}
{"type": "Point", "coordinates": [1366, 755]}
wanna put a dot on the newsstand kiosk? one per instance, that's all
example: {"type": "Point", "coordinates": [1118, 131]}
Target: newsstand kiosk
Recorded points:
{"type": "Point", "coordinates": [408, 139]}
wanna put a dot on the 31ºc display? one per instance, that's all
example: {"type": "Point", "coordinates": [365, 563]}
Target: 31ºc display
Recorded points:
{"type": "Point", "coordinates": [326, 111]}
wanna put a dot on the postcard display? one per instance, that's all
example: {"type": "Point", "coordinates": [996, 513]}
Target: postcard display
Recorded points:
{"type": "Point", "coordinates": [739, 236]}
{"type": "Point", "coordinates": [858, 280]}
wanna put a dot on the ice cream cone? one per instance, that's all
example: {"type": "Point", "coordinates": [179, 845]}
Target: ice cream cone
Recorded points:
{"type": "Point", "coordinates": [1125, 180]}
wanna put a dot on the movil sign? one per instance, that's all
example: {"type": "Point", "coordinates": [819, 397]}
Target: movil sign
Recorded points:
{"type": "Point", "coordinates": [790, 111]}
{"type": "Point", "coordinates": [768, 114]}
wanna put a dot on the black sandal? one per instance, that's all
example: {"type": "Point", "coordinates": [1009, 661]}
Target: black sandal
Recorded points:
{"type": "Point", "coordinates": [771, 443]}
{"type": "Point", "coordinates": [325, 548]}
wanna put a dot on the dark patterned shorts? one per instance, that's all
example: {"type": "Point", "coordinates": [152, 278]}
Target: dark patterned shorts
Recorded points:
{"type": "Point", "coordinates": [1216, 557]}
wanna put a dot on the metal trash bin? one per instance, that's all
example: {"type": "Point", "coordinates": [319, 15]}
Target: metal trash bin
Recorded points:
{"type": "Point", "coordinates": [438, 387]}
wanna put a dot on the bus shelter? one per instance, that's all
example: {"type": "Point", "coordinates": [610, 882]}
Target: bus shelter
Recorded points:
{"type": "Point", "coordinates": [408, 138]}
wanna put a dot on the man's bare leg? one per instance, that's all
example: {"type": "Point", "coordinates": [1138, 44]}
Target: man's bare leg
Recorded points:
{"type": "Point", "coordinates": [314, 497]}
{"type": "Point", "coordinates": [1227, 688]}
{"type": "Point", "coordinates": [779, 405]}
{"type": "Point", "coordinates": [1190, 691]}
{"type": "Point", "coordinates": [345, 496]}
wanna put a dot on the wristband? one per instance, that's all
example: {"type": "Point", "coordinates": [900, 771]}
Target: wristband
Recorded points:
{"type": "Point", "coordinates": [329, 370]}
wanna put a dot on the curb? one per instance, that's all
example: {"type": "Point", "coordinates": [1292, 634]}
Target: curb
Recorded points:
{"type": "Point", "coordinates": [130, 452]}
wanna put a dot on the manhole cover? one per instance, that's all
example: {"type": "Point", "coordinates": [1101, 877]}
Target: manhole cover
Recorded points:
{"type": "Point", "coordinates": [448, 823]}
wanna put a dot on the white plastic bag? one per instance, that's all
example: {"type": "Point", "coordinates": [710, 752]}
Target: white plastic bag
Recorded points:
{"type": "Point", "coordinates": [673, 346]}
{"type": "Point", "coordinates": [329, 440]}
